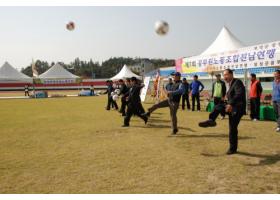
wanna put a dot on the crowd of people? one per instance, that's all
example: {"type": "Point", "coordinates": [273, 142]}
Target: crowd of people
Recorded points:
{"type": "Point", "coordinates": [229, 97]}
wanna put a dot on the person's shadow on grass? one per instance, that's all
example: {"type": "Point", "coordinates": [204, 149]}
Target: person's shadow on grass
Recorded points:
{"type": "Point", "coordinates": [168, 126]}
{"type": "Point", "coordinates": [214, 135]}
{"type": "Point", "coordinates": [266, 159]}
{"type": "Point", "coordinates": [149, 125]}
{"type": "Point", "coordinates": [154, 120]}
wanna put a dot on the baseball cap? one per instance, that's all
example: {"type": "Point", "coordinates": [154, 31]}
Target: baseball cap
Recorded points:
{"type": "Point", "coordinates": [177, 74]}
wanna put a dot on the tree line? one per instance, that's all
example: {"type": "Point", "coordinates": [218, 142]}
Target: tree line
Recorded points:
{"type": "Point", "coordinates": [91, 69]}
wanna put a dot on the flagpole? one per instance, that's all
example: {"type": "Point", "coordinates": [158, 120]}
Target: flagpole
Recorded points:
{"type": "Point", "coordinates": [158, 87]}
{"type": "Point", "coordinates": [34, 74]}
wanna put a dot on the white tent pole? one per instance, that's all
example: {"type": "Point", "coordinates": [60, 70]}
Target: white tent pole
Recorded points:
{"type": "Point", "coordinates": [33, 86]}
{"type": "Point", "coordinates": [246, 88]}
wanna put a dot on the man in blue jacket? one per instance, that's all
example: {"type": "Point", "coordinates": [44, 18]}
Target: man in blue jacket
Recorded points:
{"type": "Point", "coordinates": [185, 96]}
{"type": "Point", "coordinates": [173, 101]}
{"type": "Point", "coordinates": [276, 97]}
{"type": "Point", "coordinates": [196, 87]}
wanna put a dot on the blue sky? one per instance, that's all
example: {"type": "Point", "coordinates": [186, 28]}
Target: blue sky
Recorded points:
{"type": "Point", "coordinates": [104, 32]}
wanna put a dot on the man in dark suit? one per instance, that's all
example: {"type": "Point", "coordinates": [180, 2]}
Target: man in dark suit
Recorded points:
{"type": "Point", "coordinates": [185, 96]}
{"type": "Point", "coordinates": [219, 92]}
{"type": "Point", "coordinates": [134, 105]}
{"type": "Point", "coordinates": [123, 90]}
{"type": "Point", "coordinates": [235, 108]}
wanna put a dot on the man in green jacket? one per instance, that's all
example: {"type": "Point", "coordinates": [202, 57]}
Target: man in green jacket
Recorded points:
{"type": "Point", "coordinates": [219, 92]}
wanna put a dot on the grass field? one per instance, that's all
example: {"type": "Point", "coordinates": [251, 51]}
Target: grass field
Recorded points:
{"type": "Point", "coordinates": [50, 92]}
{"type": "Point", "coordinates": [73, 145]}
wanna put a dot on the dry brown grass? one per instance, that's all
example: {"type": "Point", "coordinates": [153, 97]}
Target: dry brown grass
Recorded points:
{"type": "Point", "coordinates": [50, 92]}
{"type": "Point", "coordinates": [72, 145]}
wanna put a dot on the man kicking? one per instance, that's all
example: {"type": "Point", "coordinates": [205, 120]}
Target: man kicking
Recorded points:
{"type": "Point", "coordinates": [174, 96]}
{"type": "Point", "coordinates": [134, 105]}
{"type": "Point", "coordinates": [235, 108]}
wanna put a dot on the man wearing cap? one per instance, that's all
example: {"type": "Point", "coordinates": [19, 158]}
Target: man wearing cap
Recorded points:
{"type": "Point", "coordinates": [174, 96]}
{"type": "Point", "coordinates": [196, 88]}
{"type": "Point", "coordinates": [219, 92]}
{"type": "Point", "coordinates": [134, 105]}
{"type": "Point", "coordinates": [109, 90]}
{"type": "Point", "coordinates": [235, 108]}
{"type": "Point", "coordinates": [255, 98]}
{"type": "Point", "coordinates": [185, 96]}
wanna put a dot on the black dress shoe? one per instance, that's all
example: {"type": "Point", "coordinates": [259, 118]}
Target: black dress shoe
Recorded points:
{"type": "Point", "coordinates": [125, 125]}
{"type": "Point", "coordinates": [174, 131]}
{"type": "Point", "coordinates": [146, 120]}
{"type": "Point", "coordinates": [207, 123]}
{"type": "Point", "coordinates": [230, 152]}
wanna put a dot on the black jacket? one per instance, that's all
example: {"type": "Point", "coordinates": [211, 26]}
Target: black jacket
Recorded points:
{"type": "Point", "coordinates": [236, 96]}
{"type": "Point", "coordinates": [123, 89]}
{"type": "Point", "coordinates": [134, 94]}
{"type": "Point", "coordinates": [187, 88]}
{"type": "Point", "coordinates": [224, 89]}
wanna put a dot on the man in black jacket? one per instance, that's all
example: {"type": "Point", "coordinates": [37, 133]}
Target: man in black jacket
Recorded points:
{"type": "Point", "coordinates": [185, 96]}
{"type": "Point", "coordinates": [109, 90]}
{"type": "Point", "coordinates": [134, 105]}
{"type": "Point", "coordinates": [219, 92]}
{"type": "Point", "coordinates": [235, 107]}
{"type": "Point", "coordinates": [123, 90]}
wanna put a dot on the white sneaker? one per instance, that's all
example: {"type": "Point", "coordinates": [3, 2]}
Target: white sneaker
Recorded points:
{"type": "Point", "coordinates": [255, 120]}
{"type": "Point", "coordinates": [222, 117]}
{"type": "Point", "coordinates": [278, 129]}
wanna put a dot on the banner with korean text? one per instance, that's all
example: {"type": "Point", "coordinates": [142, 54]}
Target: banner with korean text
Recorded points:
{"type": "Point", "coordinates": [262, 55]}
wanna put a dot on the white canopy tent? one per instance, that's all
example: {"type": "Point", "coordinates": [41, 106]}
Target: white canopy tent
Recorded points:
{"type": "Point", "coordinates": [125, 73]}
{"type": "Point", "coordinates": [57, 72]}
{"type": "Point", "coordinates": [8, 74]}
{"type": "Point", "coordinates": [58, 75]}
{"type": "Point", "coordinates": [224, 42]}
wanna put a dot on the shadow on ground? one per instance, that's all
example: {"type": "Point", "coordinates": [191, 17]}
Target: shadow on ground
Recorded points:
{"type": "Point", "coordinates": [265, 159]}
{"type": "Point", "coordinates": [214, 135]}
